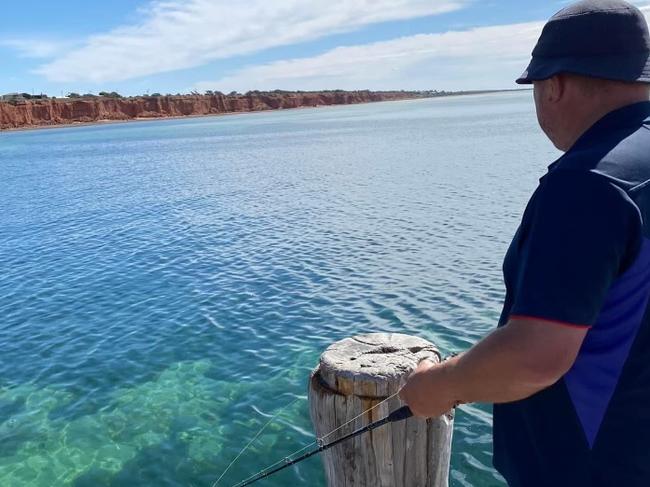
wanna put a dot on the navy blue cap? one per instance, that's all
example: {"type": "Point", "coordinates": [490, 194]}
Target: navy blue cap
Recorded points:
{"type": "Point", "coordinates": [605, 39]}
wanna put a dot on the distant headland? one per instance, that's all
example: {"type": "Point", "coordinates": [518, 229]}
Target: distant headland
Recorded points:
{"type": "Point", "coordinates": [22, 110]}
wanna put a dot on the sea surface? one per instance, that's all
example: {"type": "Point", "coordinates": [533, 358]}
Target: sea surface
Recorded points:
{"type": "Point", "coordinates": [166, 287]}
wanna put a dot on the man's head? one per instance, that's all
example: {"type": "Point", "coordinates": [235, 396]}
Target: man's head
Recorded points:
{"type": "Point", "coordinates": [592, 57]}
{"type": "Point", "coordinates": [568, 104]}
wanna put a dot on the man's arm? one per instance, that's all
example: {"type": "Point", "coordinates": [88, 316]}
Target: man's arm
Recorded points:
{"type": "Point", "coordinates": [514, 362]}
{"type": "Point", "coordinates": [580, 236]}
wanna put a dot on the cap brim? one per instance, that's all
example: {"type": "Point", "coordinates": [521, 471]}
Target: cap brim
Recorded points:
{"type": "Point", "coordinates": [524, 79]}
{"type": "Point", "coordinates": [631, 68]}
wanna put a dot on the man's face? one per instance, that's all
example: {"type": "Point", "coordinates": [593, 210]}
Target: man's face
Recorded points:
{"type": "Point", "coordinates": [544, 108]}
{"type": "Point", "coordinates": [538, 95]}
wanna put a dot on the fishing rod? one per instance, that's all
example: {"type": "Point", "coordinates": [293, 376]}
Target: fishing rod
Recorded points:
{"type": "Point", "coordinates": [394, 417]}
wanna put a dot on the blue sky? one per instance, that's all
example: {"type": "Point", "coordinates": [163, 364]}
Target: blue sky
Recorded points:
{"type": "Point", "coordinates": [171, 46]}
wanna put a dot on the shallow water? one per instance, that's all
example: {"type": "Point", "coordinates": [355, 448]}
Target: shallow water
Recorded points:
{"type": "Point", "coordinates": [167, 286]}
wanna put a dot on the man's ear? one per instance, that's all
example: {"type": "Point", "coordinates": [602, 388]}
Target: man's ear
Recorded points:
{"type": "Point", "coordinates": [556, 88]}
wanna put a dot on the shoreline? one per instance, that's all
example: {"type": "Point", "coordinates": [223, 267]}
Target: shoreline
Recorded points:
{"type": "Point", "coordinates": [54, 126]}
{"type": "Point", "coordinates": [180, 117]}
{"type": "Point", "coordinates": [148, 119]}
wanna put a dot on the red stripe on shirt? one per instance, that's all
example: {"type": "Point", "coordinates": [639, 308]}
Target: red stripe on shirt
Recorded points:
{"type": "Point", "coordinates": [555, 322]}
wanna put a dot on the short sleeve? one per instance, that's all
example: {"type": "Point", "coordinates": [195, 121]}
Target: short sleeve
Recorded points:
{"type": "Point", "coordinates": [581, 234]}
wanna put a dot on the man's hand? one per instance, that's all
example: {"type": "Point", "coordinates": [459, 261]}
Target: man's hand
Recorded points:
{"type": "Point", "coordinates": [427, 390]}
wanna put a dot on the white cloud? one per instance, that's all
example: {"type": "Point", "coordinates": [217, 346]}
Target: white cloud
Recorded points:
{"type": "Point", "coordinates": [180, 34]}
{"type": "Point", "coordinates": [486, 57]}
{"type": "Point", "coordinates": [36, 48]}
{"type": "Point", "coordinates": [480, 58]}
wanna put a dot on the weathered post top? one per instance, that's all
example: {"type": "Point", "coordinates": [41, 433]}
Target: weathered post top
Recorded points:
{"type": "Point", "coordinates": [373, 365]}
{"type": "Point", "coordinates": [354, 378]}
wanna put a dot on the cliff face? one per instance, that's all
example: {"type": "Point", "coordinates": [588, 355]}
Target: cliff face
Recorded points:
{"type": "Point", "coordinates": [34, 113]}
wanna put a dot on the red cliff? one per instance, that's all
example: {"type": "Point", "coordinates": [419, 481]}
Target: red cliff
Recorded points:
{"type": "Point", "coordinates": [51, 111]}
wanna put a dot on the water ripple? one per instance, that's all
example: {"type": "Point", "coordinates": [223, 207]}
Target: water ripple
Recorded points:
{"type": "Point", "coordinates": [166, 286]}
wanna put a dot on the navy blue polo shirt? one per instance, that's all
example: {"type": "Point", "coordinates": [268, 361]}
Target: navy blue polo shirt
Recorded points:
{"type": "Point", "coordinates": [581, 257]}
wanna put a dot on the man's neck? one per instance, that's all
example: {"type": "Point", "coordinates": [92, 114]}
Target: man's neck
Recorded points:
{"type": "Point", "coordinates": [604, 107]}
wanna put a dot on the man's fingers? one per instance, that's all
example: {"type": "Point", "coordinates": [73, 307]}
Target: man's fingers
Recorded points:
{"type": "Point", "coordinates": [425, 364]}
{"type": "Point", "coordinates": [426, 359]}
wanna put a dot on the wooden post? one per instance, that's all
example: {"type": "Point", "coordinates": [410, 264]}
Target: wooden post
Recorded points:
{"type": "Point", "coordinates": [356, 374]}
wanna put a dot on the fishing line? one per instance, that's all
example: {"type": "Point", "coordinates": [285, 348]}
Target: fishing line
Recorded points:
{"type": "Point", "coordinates": [394, 417]}
{"type": "Point", "coordinates": [255, 438]}
{"type": "Point", "coordinates": [287, 460]}
{"type": "Point", "coordinates": [360, 415]}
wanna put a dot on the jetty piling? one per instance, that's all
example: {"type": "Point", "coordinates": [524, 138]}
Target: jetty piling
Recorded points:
{"type": "Point", "coordinates": [353, 379]}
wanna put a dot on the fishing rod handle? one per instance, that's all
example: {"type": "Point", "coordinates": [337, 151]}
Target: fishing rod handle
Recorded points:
{"type": "Point", "coordinates": [400, 414]}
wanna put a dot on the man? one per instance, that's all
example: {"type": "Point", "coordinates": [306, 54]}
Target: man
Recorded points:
{"type": "Point", "coordinates": [568, 368]}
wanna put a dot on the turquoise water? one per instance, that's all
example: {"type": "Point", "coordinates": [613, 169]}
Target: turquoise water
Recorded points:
{"type": "Point", "coordinates": [166, 287]}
